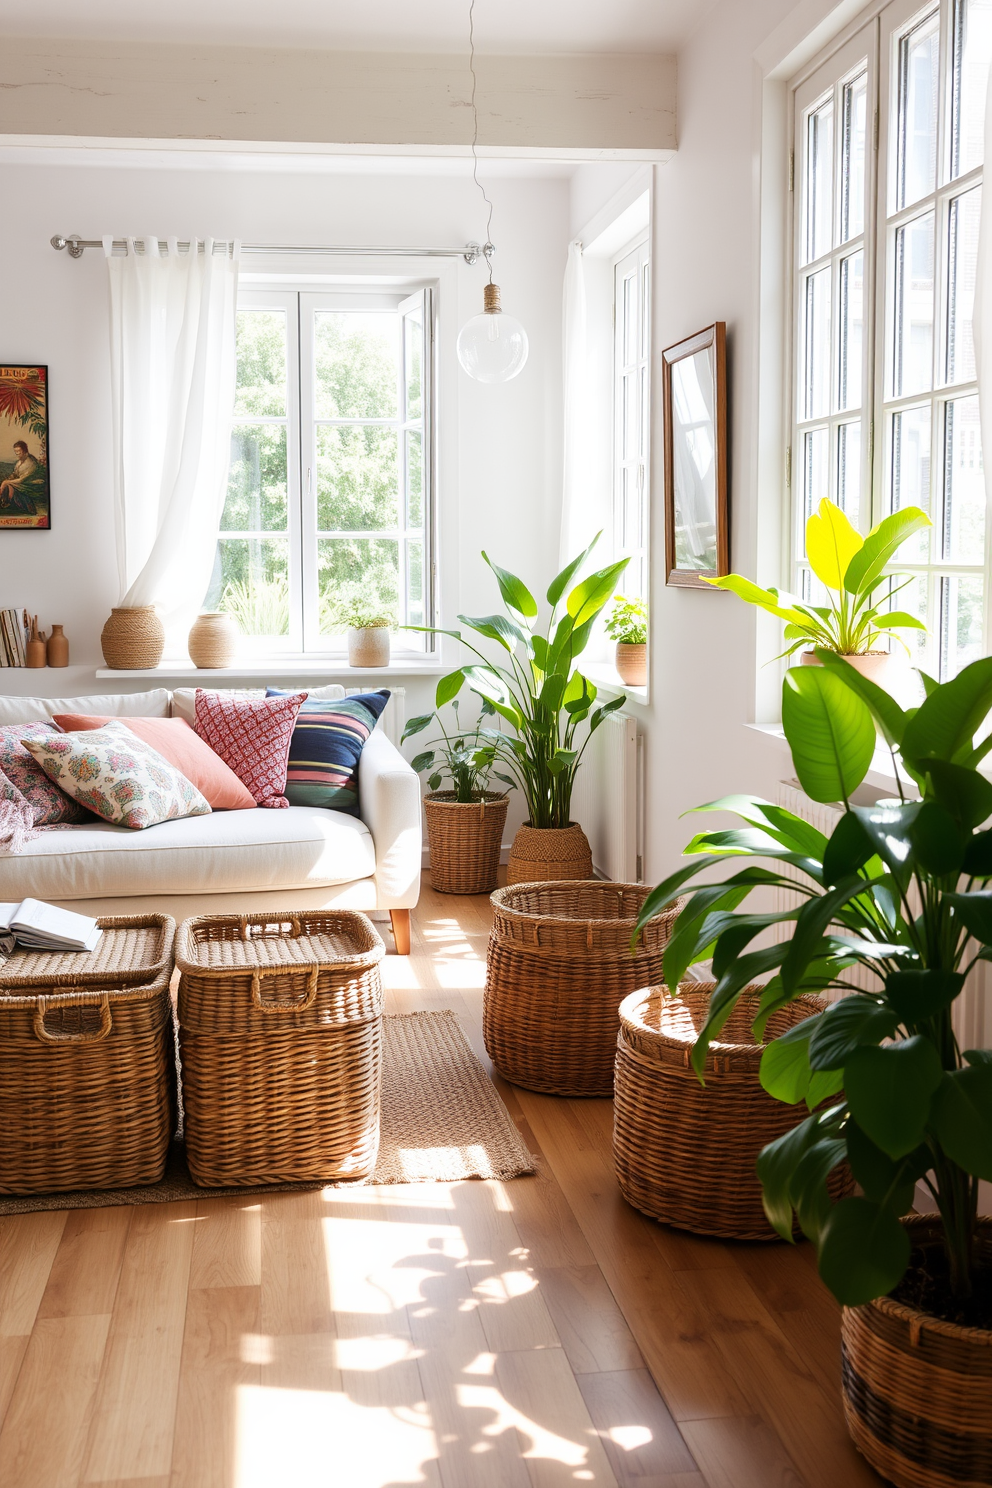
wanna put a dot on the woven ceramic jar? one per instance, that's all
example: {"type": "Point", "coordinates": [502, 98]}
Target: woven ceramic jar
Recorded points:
{"type": "Point", "coordinates": [875, 665]}
{"type": "Point", "coordinates": [918, 1390]}
{"type": "Point", "coordinates": [133, 639]}
{"type": "Point", "coordinates": [546, 854]}
{"type": "Point", "coordinates": [368, 646]}
{"type": "Point", "coordinates": [213, 640]}
{"type": "Point", "coordinates": [464, 838]}
{"type": "Point", "coordinates": [632, 663]}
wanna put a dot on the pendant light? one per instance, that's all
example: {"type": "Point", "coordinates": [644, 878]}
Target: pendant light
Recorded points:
{"type": "Point", "coordinates": [492, 347]}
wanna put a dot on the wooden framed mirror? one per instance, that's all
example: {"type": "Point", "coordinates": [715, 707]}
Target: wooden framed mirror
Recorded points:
{"type": "Point", "coordinates": [697, 526]}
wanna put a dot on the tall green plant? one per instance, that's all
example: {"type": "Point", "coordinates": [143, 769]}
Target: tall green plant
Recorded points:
{"type": "Point", "coordinates": [901, 889]}
{"type": "Point", "coordinates": [536, 686]}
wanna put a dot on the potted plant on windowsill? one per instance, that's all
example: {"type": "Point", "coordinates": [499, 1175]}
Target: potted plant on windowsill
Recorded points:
{"type": "Point", "coordinates": [368, 624]}
{"type": "Point", "coordinates": [900, 890]}
{"type": "Point", "coordinates": [538, 690]}
{"type": "Point", "coordinates": [851, 568]}
{"type": "Point", "coordinates": [464, 824]}
{"type": "Point", "coordinates": [627, 624]}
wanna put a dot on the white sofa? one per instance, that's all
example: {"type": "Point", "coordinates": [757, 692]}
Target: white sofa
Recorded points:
{"type": "Point", "coordinates": [230, 861]}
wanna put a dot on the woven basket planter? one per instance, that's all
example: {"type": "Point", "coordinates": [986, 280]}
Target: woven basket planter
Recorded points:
{"type": "Point", "coordinates": [559, 966]}
{"type": "Point", "coordinates": [87, 1063]}
{"type": "Point", "coordinates": [549, 855]}
{"type": "Point", "coordinates": [918, 1391]}
{"type": "Point", "coordinates": [464, 839]}
{"type": "Point", "coordinates": [133, 639]}
{"type": "Point", "coordinates": [280, 1033]}
{"type": "Point", "coordinates": [686, 1153]}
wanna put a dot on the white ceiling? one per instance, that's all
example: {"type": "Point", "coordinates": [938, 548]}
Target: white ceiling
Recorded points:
{"type": "Point", "coordinates": [501, 26]}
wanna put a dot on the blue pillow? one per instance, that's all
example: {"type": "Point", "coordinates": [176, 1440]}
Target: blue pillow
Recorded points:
{"type": "Point", "coordinates": [326, 746]}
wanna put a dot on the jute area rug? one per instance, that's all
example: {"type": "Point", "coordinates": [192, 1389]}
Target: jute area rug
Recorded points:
{"type": "Point", "coordinates": [442, 1120]}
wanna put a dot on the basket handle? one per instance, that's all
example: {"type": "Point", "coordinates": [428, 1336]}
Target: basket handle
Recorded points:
{"type": "Point", "coordinates": [45, 1005]}
{"type": "Point", "coordinates": [295, 929]}
{"type": "Point", "coordinates": [275, 1005]}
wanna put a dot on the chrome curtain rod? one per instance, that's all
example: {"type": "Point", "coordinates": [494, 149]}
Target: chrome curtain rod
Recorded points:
{"type": "Point", "coordinates": [471, 252]}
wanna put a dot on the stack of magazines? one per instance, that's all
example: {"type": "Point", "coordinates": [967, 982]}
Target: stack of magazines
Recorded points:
{"type": "Point", "coordinates": [45, 927]}
{"type": "Point", "coordinates": [13, 638]}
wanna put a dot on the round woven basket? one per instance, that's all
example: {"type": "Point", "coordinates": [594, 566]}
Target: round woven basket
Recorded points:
{"type": "Point", "coordinates": [133, 639]}
{"type": "Point", "coordinates": [213, 639]}
{"type": "Point", "coordinates": [464, 838]}
{"type": "Point", "coordinates": [917, 1390]}
{"type": "Point", "coordinates": [558, 968]}
{"type": "Point", "coordinates": [685, 1153]}
{"type": "Point", "coordinates": [549, 854]}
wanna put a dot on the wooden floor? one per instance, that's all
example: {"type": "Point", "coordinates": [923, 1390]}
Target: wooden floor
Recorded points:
{"type": "Point", "coordinates": [521, 1335]}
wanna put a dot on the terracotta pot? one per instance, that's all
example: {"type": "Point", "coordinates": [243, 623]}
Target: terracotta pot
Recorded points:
{"type": "Point", "coordinates": [632, 663]}
{"type": "Point", "coordinates": [875, 665]}
{"type": "Point", "coordinates": [58, 648]}
{"type": "Point", "coordinates": [917, 1390]}
{"type": "Point", "coordinates": [465, 838]}
{"type": "Point", "coordinates": [548, 854]}
{"type": "Point", "coordinates": [213, 639]}
{"type": "Point", "coordinates": [133, 639]}
{"type": "Point", "coordinates": [368, 646]}
{"type": "Point", "coordinates": [36, 652]}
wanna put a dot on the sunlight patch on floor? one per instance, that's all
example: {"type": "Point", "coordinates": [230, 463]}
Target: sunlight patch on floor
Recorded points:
{"type": "Point", "coordinates": [378, 1266]}
{"type": "Point", "coordinates": [543, 1443]}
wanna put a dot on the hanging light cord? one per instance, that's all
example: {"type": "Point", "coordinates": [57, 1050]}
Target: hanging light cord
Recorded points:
{"type": "Point", "coordinates": [488, 249]}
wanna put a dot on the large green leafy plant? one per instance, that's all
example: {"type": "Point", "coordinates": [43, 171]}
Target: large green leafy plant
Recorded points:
{"type": "Point", "coordinates": [851, 568]}
{"type": "Point", "coordinates": [536, 686]}
{"type": "Point", "coordinates": [899, 888]}
{"type": "Point", "coordinates": [463, 756]}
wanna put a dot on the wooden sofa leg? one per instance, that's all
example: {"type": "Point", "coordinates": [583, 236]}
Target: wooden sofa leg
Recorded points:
{"type": "Point", "coordinates": [400, 919]}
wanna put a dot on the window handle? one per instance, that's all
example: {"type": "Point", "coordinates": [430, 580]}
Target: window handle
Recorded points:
{"type": "Point", "coordinates": [309, 481]}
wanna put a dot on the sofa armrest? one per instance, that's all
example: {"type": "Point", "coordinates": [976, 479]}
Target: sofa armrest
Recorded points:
{"type": "Point", "coordinates": [390, 806]}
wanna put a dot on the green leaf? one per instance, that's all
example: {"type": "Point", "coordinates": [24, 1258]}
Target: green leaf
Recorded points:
{"type": "Point", "coordinates": [422, 761]}
{"type": "Point", "coordinates": [449, 687]}
{"type": "Point", "coordinates": [977, 1056]}
{"type": "Point", "coordinates": [887, 826]}
{"type": "Point", "coordinates": [776, 1165]}
{"type": "Point", "coordinates": [726, 993]}
{"type": "Point", "coordinates": [588, 598]}
{"type": "Point", "coordinates": [848, 850]}
{"type": "Point", "coordinates": [561, 581]}
{"type": "Point", "coordinates": [417, 726]}
{"type": "Point", "coordinates": [814, 917]}
{"type": "Point", "coordinates": [552, 692]}
{"type": "Point", "coordinates": [830, 732]}
{"type": "Point", "coordinates": [665, 893]}
{"type": "Point", "coordinates": [897, 620]}
{"type": "Point", "coordinates": [864, 1251]}
{"type": "Point", "coordinates": [978, 856]}
{"type": "Point", "coordinates": [784, 606]}
{"type": "Point", "coordinates": [497, 628]}
{"type": "Point", "coordinates": [434, 781]}
{"type": "Point", "coordinates": [938, 841]}
{"type": "Point", "coordinates": [831, 543]}
{"type": "Point", "coordinates": [604, 712]}
{"type": "Point", "coordinates": [784, 1071]}
{"type": "Point", "coordinates": [880, 546]}
{"type": "Point", "coordinates": [822, 1085]}
{"type": "Point", "coordinates": [738, 931]}
{"type": "Point", "coordinates": [889, 717]}
{"type": "Point", "coordinates": [974, 910]}
{"type": "Point", "coordinates": [961, 1118]}
{"type": "Point", "coordinates": [848, 1025]}
{"type": "Point", "coordinates": [888, 1090]}
{"type": "Point", "coordinates": [808, 1188]}
{"type": "Point", "coordinates": [884, 1181]}
{"type": "Point", "coordinates": [690, 937]}
{"type": "Point", "coordinates": [949, 718]}
{"type": "Point", "coordinates": [791, 830]}
{"type": "Point", "coordinates": [562, 759]}
{"type": "Point", "coordinates": [918, 995]}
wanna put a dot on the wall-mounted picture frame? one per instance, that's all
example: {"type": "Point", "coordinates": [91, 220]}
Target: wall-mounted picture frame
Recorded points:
{"type": "Point", "coordinates": [25, 487]}
{"type": "Point", "coordinates": [697, 525]}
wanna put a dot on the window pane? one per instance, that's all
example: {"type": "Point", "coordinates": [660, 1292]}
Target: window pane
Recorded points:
{"type": "Point", "coordinates": [261, 352]}
{"type": "Point", "coordinates": [251, 582]}
{"type": "Point", "coordinates": [849, 468]}
{"type": "Point", "coordinates": [852, 293]}
{"type": "Point", "coordinates": [256, 483]}
{"type": "Point", "coordinates": [972, 52]}
{"type": "Point", "coordinates": [631, 416]}
{"type": "Point", "coordinates": [414, 366]}
{"type": "Point", "coordinates": [852, 179]}
{"type": "Point", "coordinates": [913, 362]}
{"type": "Point", "coordinates": [357, 478]}
{"type": "Point", "coordinates": [912, 595]}
{"type": "Point", "coordinates": [631, 320]}
{"type": "Point", "coordinates": [819, 180]}
{"type": "Point", "coordinates": [911, 474]}
{"type": "Point", "coordinates": [645, 316]}
{"type": "Point", "coordinates": [917, 123]}
{"type": "Point", "coordinates": [963, 534]}
{"type": "Point", "coordinates": [816, 469]}
{"type": "Point", "coordinates": [817, 371]}
{"type": "Point", "coordinates": [356, 567]}
{"type": "Point", "coordinates": [962, 262]}
{"type": "Point", "coordinates": [960, 623]}
{"type": "Point", "coordinates": [414, 478]}
{"type": "Point", "coordinates": [356, 354]}
{"type": "Point", "coordinates": [415, 587]}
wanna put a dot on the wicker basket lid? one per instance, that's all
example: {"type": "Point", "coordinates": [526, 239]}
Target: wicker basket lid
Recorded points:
{"type": "Point", "coordinates": [664, 1027]}
{"type": "Point", "coordinates": [323, 938]}
{"type": "Point", "coordinates": [132, 950]}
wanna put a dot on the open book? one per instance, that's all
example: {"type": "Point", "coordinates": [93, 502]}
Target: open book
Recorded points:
{"type": "Point", "coordinates": [44, 927]}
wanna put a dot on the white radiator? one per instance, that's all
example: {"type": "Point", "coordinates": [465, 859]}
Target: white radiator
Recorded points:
{"type": "Point", "coordinates": [605, 799]}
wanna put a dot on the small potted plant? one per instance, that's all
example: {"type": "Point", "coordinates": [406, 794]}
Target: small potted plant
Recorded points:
{"type": "Point", "coordinates": [627, 624]}
{"type": "Point", "coordinates": [851, 568]}
{"type": "Point", "coordinates": [465, 823]}
{"type": "Point", "coordinates": [369, 625]}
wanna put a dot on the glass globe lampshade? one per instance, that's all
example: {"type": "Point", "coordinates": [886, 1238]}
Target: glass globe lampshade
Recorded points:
{"type": "Point", "coordinates": [492, 347]}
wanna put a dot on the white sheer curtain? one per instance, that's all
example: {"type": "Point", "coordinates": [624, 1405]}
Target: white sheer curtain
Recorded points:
{"type": "Point", "coordinates": [588, 412]}
{"type": "Point", "coordinates": [982, 322]}
{"type": "Point", "coordinates": [173, 372]}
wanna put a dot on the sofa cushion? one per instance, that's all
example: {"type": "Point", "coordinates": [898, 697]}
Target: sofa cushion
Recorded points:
{"type": "Point", "coordinates": [326, 747]}
{"type": "Point", "coordinates": [184, 698]}
{"type": "Point", "coordinates": [153, 704]}
{"type": "Point", "coordinates": [185, 750]}
{"type": "Point", "coordinates": [252, 735]}
{"type": "Point", "coordinates": [51, 806]}
{"type": "Point", "coordinates": [225, 852]}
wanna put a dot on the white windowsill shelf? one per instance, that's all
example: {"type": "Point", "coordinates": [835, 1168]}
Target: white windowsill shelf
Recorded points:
{"type": "Point", "coordinates": [283, 668]}
{"type": "Point", "coordinates": [607, 679]}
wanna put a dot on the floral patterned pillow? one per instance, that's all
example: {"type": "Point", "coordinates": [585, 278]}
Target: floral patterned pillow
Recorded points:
{"type": "Point", "coordinates": [112, 772]}
{"type": "Point", "coordinates": [51, 806]}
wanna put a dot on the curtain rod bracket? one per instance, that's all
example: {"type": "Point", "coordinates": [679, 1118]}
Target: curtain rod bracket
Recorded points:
{"type": "Point", "coordinates": [72, 242]}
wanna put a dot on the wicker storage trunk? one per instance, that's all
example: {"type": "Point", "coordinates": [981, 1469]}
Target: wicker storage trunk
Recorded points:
{"type": "Point", "coordinates": [87, 1062]}
{"type": "Point", "coordinates": [686, 1153]}
{"type": "Point", "coordinates": [559, 966]}
{"type": "Point", "coordinates": [280, 1030]}
{"type": "Point", "coordinates": [464, 839]}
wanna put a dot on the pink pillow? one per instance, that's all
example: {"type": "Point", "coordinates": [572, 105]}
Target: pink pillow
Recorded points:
{"type": "Point", "coordinates": [253, 736]}
{"type": "Point", "coordinates": [177, 743]}
{"type": "Point", "coordinates": [51, 806]}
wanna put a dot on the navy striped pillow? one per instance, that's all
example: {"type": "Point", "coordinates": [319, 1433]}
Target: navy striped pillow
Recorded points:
{"type": "Point", "coordinates": [326, 746]}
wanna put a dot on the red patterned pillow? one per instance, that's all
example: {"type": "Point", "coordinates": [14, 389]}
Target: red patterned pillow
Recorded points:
{"type": "Point", "coordinates": [51, 806]}
{"type": "Point", "coordinates": [252, 736]}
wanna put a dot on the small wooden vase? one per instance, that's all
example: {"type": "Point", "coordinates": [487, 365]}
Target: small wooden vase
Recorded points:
{"type": "Point", "coordinates": [36, 651]}
{"type": "Point", "coordinates": [58, 648]}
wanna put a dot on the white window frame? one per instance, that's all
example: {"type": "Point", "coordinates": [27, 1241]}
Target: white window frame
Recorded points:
{"type": "Point", "coordinates": [299, 301]}
{"type": "Point", "coordinates": [632, 363]}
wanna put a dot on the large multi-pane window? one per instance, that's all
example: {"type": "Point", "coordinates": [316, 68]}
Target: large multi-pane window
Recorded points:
{"type": "Point", "coordinates": [632, 393]}
{"type": "Point", "coordinates": [329, 492]}
{"type": "Point", "coordinates": [887, 169]}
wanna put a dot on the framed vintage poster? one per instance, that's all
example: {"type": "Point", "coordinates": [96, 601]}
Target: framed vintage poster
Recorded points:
{"type": "Point", "coordinates": [697, 529]}
{"type": "Point", "coordinates": [25, 493]}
